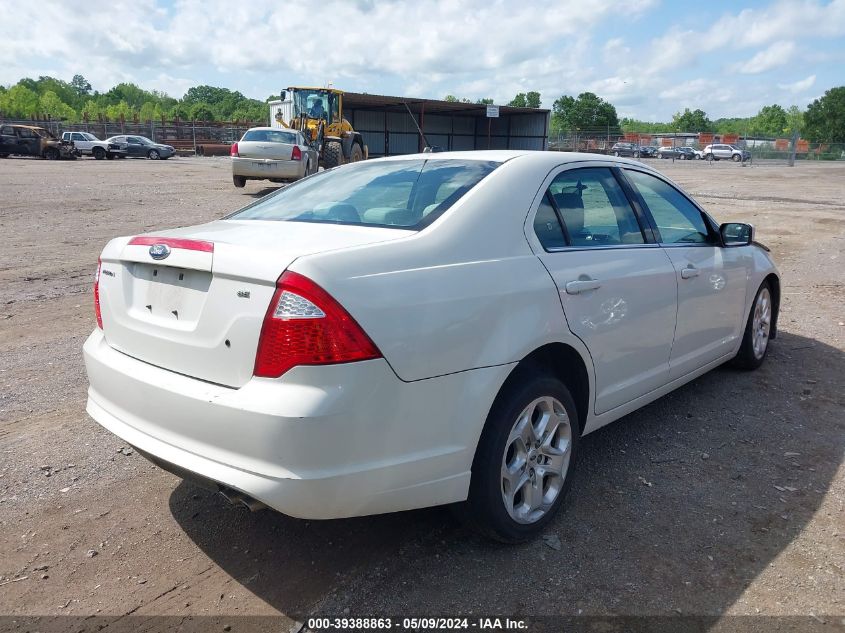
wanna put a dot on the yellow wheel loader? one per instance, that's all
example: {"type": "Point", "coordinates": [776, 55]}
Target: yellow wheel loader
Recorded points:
{"type": "Point", "coordinates": [318, 114]}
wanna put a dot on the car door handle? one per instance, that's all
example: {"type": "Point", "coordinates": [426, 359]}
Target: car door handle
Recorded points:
{"type": "Point", "coordinates": [582, 285]}
{"type": "Point", "coordinates": [689, 272]}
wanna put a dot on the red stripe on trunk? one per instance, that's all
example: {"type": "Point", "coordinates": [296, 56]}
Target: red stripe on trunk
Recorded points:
{"type": "Point", "coordinates": [174, 242]}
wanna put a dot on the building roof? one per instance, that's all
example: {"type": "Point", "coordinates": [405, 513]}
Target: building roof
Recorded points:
{"type": "Point", "coordinates": [365, 101]}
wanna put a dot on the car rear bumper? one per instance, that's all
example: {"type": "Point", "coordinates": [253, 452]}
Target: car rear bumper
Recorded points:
{"type": "Point", "coordinates": [263, 168]}
{"type": "Point", "coordinates": [320, 442]}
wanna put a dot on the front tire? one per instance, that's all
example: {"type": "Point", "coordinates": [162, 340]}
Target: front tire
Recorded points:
{"type": "Point", "coordinates": [153, 154]}
{"type": "Point", "coordinates": [755, 340]}
{"type": "Point", "coordinates": [616, 154]}
{"type": "Point", "coordinates": [332, 154]}
{"type": "Point", "coordinates": [51, 153]}
{"type": "Point", "coordinates": [521, 471]}
{"type": "Point", "coordinates": [99, 153]}
{"type": "Point", "coordinates": [736, 158]}
{"type": "Point", "coordinates": [239, 181]}
{"type": "Point", "coordinates": [356, 153]}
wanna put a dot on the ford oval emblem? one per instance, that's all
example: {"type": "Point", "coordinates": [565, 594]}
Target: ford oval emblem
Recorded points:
{"type": "Point", "coordinates": [159, 251]}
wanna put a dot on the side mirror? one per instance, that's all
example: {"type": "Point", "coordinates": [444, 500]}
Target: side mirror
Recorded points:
{"type": "Point", "coordinates": [284, 95]}
{"type": "Point", "coordinates": [736, 234]}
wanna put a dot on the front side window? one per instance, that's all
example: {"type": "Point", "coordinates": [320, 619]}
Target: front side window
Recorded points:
{"type": "Point", "coordinates": [677, 219]}
{"type": "Point", "coordinates": [76, 136]}
{"type": "Point", "coordinates": [594, 208]}
{"type": "Point", "coordinates": [407, 194]}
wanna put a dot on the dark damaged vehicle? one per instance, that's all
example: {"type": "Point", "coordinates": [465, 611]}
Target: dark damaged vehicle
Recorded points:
{"type": "Point", "coordinates": [30, 140]}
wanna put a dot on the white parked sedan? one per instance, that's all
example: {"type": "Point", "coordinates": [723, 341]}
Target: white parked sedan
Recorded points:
{"type": "Point", "coordinates": [420, 330]}
{"type": "Point", "coordinates": [266, 153]}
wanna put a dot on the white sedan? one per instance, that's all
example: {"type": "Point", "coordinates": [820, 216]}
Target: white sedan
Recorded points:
{"type": "Point", "coordinates": [266, 153]}
{"type": "Point", "coordinates": [420, 330]}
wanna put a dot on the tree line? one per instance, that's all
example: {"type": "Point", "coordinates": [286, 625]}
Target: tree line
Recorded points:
{"type": "Point", "coordinates": [73, 101]}
{"type": "Point", "coordinates": [822, 121]}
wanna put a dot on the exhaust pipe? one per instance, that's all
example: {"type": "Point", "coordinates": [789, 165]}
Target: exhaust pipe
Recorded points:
{"type": "Point", "coordinates": [236, 497]}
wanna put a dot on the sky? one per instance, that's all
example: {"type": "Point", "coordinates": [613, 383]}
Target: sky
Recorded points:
{"type": "Point", "coordinates": [650, 58]}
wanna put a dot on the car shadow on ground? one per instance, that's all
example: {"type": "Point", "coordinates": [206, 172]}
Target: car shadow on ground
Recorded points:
{"type": "Point", "coordinates": [676, 508]}
{"type": "Point", "coordinates": [260, 193]}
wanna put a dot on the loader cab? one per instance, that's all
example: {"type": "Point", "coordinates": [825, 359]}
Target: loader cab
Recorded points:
{"type": "Point", "coordinates": [316, 103]}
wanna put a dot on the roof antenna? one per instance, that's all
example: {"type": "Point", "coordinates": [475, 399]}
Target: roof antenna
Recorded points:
{"type": "Point", "coordinates": [411, 114]}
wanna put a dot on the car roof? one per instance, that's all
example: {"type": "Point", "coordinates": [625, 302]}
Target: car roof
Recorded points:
{"type": "Point", "coordinates": [28, 127]}
{"type": "Point", "coordinates": [542, 158]}
{"type": "Point", "coordinates": [280, 129]}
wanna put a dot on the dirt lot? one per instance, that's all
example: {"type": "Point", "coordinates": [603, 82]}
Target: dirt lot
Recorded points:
{"type": "Point", "coordinates": [725, 497]}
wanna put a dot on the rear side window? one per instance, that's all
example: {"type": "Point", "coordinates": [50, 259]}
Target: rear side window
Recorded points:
{"type": "Point", "coordinates": [594, 208]}
{"type": "Point", "coordinates": [408, 194]}
{"type": "Point", "coordinates": [271, 136]}
{"type": "Point", "coordinates": [677, 219]}
{"type": "Point", "coordinates": [8, 130]}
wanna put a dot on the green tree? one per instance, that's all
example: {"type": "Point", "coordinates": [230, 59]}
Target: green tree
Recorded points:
{"type": "Point", "coordinates": [92, 109]}
{"type": "Point", "coordinates": [769, 121]}
{"type": "Point", "coordinates": [794, 120]}
{"type": "Point", "coordinates": [116, 110]}
{"type": "Point", "coordinates": [81, 86]}
{"type": "Point", "coordinates": [692, 121]}
{"type": "Point", "coordinates": [824, 120]}
{"type": "Point", "coordinates": [451, 99]}
{"type": "Point", "coordinates": [484, 101]}
{"type": "Point", "coordinates": [518, 101]}
{"type": "Point", "coordinates": [50, 104]}
{"type": "Point", "coordinates": [532, 99]}
{"type": "Point", "coordinates": [586, 112]}
{"type": "Point", "coordinates": [150, 111]}
{"type": "Point", "coordinates": [201, 112]}
{"type": "Point", "coordinates": [19, 101]}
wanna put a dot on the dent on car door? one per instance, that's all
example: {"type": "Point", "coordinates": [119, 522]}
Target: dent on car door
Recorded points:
{"type": "Point", "coordinates": [618, 291]}
{"type": "Point", "coordinates": [711, 280]}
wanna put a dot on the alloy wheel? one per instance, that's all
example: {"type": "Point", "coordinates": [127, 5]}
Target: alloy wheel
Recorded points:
{"type": "Point", "coordinates": [761, 323]}
{"type": "Point", "coordinates": [536, 460]}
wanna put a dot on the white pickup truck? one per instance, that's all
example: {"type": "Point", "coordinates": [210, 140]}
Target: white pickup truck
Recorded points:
{"type": "Point", "coordinates": [87, 144]}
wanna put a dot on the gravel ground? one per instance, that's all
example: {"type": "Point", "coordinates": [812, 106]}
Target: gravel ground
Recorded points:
{"type": "Point", "coordinates": [725, 497]}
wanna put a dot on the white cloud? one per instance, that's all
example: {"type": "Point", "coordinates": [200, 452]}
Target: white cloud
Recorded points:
{"type": "Point", "coordinates": [775, 56]}
{"type": "Point", "coordinates": [799, 86]}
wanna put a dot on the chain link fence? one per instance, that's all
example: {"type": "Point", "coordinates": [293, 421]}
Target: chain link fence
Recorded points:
{"type": "Point", "coordinates": [764, 150]}
{"type": "Point", "coordinates": [185, 136]}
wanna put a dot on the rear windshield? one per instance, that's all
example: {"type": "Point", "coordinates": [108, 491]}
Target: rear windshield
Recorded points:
{"type": "Point", "coordinates": [408, 194]}
{"type": "Point", "coordinates": [270, 136]}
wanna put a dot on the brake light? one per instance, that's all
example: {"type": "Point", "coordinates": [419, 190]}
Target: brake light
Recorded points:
{"type": "Point", "coordinates": [233, 151]}
{"type": "Point", "coordinates": [296, 154]}
{"type": "Point", "coordinates": [304, 325]}
{"type": "Point", "coordinates": [97, 312]}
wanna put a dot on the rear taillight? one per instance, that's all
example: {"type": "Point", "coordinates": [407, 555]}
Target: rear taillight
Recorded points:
{"type": "Point", "coordinates": [233, 151]}
{"type": "Point", "coordinates": [97, 312]}
{"type": "Point", "coordinates": [296, 154]}
{"type": "Point", "coordinates": [304, 325]}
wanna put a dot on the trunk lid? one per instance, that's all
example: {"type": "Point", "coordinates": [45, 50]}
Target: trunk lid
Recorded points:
{"type": "Point", "coordinates": [259, 149]}
{"type": "Point", "coordinates": [198, 311]}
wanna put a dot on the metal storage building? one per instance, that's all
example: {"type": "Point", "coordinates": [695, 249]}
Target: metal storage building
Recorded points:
{"type": "Point", "coordinates": [389, 125]}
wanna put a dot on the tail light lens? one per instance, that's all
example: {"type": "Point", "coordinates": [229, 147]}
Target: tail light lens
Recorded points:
{"type": "Point", "coordinates": [296, 154]}
{"type": "Point", "coordinates": [304, 325]}
{"type": "Point", "coordinates": [233, 151]}
{"type": "Point", "coordinates": [97, 312]}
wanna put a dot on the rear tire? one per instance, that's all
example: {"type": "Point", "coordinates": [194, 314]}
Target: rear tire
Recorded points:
{"type": "Point", "coordinates": [356, 154]}
{"type": "Point", "coordinates": [332, 154]}
{"type": "Point", "coordinates": [239, 181]}
{"type": "Point", "coordinates": [755, 340]}
{"type": "Point", "coordinates": [99, 153]}
{"type": "Point", "coordinates": [522, 466]}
